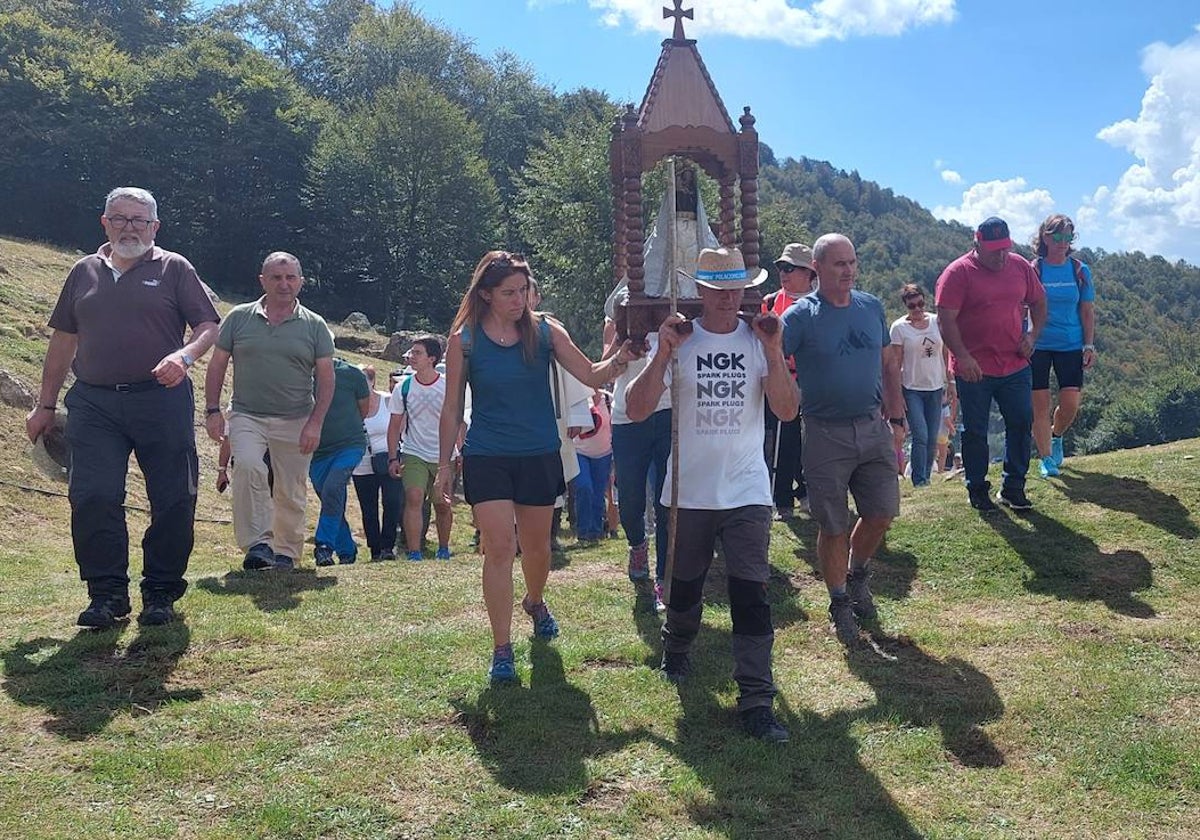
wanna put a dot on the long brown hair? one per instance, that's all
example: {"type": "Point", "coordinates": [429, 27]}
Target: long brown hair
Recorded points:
{"type": "Point", "coordinates": [492, 270]}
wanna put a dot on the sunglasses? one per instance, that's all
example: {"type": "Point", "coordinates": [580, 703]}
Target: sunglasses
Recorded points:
{"type": "Point", "coordinates": [1062, 237]}
{"type": "Point", "coordinates": [917, 304]}
{"type": "Point", "coordinates": [788, 268]}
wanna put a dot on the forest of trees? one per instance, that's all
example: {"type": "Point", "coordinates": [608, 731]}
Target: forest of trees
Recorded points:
{"type": "Point", "coordinates": [388, 154]}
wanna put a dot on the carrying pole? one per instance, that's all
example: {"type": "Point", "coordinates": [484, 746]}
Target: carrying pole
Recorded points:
{"type": "Point", "coordinates": [673, 518]}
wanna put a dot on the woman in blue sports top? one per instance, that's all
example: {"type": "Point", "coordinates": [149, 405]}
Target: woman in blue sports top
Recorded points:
{"type": "Point", "coordinates": [1067, 342]}
{"type": "Point", "coordinates": [512, 471]}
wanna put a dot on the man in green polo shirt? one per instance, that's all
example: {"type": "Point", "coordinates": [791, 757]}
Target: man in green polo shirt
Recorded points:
{"type": "Point", "coordinates": [279, 348]}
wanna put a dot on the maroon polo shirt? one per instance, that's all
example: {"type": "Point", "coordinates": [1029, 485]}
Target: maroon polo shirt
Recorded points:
{"type": "Point", "coordinates": [125, 327]}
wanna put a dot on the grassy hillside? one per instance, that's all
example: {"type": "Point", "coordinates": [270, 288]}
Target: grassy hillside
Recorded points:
{"type": "Point", "coordinates": [1030, 676]}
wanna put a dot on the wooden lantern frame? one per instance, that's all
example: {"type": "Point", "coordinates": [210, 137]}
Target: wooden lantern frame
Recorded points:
{"type": "Point", "coordinates": [681, 114]}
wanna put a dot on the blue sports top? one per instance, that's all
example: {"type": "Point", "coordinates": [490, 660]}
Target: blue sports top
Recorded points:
{"type": "Point", "coordinates": [1064, 329]}
{"type": "Point", "coordinates": [512, 411]}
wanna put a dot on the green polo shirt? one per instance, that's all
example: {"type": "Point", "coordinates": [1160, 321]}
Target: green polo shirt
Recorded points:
{"type": "Point", "coordinates": [273, 365]}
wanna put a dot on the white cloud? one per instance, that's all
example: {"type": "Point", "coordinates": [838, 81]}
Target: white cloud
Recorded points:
{"type": "Point", "coordinates": [777, 20]}
{"type": "Point", "coordinates": [951, 177]}
{"type": "Point", "coordinates": [1023, 208]}
{"type": "Point", "coordinates": [1155, 205]}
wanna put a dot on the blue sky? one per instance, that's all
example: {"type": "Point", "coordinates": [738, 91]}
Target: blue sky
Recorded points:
{"type": "Point", "coordinates": [971, 108]}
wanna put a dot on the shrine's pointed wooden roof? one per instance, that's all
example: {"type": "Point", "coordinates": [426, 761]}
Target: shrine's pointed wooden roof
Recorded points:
{"type": "Point", "coordinates": [681, 93]}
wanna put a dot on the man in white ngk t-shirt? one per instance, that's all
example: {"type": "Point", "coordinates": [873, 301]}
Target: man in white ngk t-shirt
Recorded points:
{"type": "Point", "coordinates": [725, 370]}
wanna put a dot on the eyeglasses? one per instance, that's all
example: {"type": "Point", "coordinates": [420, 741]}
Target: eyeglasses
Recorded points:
{"type": "Point", "coordinates": [1063, 236]}
{"type": "Point", "coordinates": [135, 222]}
{"type": "Point", "coordinates": [788, 268]}
{"type": "Point", "coordinates": [918, 304]}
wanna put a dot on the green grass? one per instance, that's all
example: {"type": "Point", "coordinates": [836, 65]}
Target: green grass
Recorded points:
{"type": "Point", "coordinates": [1029, 676]}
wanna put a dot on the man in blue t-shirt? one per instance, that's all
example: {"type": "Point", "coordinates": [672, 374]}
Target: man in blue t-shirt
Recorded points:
{"type": "Point", "coordinates": [848, 377]}
{"type": "Point", "coordinates": [343, 442]}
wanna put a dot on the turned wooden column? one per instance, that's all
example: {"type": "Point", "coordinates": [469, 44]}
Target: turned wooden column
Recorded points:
{"type": "Point", "coordinates": [726, 233]}
{"type": "Point", "coordinates": [748, 170]}
{"type": "Point", "coordinates": [616, 176]}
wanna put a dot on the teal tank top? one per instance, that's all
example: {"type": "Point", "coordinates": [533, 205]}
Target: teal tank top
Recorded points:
{"type": "Point", "coordinates": [512, 410]}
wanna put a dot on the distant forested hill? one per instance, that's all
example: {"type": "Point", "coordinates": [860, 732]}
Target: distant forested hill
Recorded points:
{"type": "Point", "coordinates": [388, 154]}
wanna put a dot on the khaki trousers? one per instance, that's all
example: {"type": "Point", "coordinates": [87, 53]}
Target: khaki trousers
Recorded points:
{"type": "Point", "coordinates": [257, 517]}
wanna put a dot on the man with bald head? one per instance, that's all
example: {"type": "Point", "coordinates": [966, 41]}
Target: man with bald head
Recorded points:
{"type": "Point", "coordinates": [119, 325]}
{"type": "Point", "coordinates": [278, 348]}
{"type": "Point", "coordinates": [853, 413]}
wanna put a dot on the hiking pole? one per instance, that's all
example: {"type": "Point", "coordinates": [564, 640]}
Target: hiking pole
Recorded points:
{"type": "Point", "coordinates": [673, 518]}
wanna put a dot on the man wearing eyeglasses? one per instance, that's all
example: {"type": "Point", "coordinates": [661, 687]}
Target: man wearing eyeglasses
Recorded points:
{"type": "Point", "coordinates": [119, 325]}
{"type": "Point", "coordinates": [796, 279]}
{"type": "Point", "coordinates": [981, 299]}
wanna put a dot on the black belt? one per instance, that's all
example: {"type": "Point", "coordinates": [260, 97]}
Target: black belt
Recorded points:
{"type": "Point", "coordinates": [129, 387]}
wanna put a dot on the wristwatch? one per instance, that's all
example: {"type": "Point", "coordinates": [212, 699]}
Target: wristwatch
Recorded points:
{"type": "Point", "coordinates": [211, 410]}
{"type": "Point", "coordinates": [896, 421]}
{"type": "Point", "coordinates": [188, 361]}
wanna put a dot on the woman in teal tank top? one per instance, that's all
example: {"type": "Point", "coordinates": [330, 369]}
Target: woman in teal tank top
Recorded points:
{"type": "Point", "coordinates": [511, 466]}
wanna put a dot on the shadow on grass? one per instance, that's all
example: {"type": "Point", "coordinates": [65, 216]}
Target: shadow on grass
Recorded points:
{"type": "Point", "coordinates": [538, 739]}
{"type": "Point", "coordinates": [1132, 495]}
{"type": "Point", "coordinates": [892, 572]}
{"type": "Point", "coordinates": [915, 688]}
{"type": "Point", "coordinates": [271, 591]}
{"type": "Point", "coordinates": [1071, 567]}
{"type": "Point", "coordinates": [814, 786]}
{"type": "Point", "coordinates": [84, 682]}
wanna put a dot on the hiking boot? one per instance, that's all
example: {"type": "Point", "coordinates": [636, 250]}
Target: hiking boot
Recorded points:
{"type": "Point", "coordinates": [387, 554]}
{"type": "Point", "coordinates": [503, 669]}
{"type": "Point", "coordinates": [1056, 450]}
{"type": "Point", "coordinates": [347, 559]}
{"type": "Point", "coordinates": [760, 723]}
{"type": "Point", "coordinates": [158, 608]}
{"type": "Point", "coordinates": [1047, 467]}
{"type": "Point", "coordinates": [544, 625]}
{"type": "Point", "coordinates": [639, 561]}
{"type": "Point", "coordinates": [1015, 499]}
{"type": "Point", "coordinates": [860, 594]}
{"type": "Point", "coordinates": [323, 555]}
{"type": "Point", "coordinates": [104, 611]}
{"type": "Point", "coordinates": [841, 616]}
{"type": "Point", "coordinates": [676, 667]}
{"type": "Point", "coordinates": [258, 556]}
{"type": "Point", "coordinates": [443, 553]}
{"type": "Point", "coordinates": [981, 499]}
{"type": "Point", "coordinates": [660, 606]}
{"type": "Point", "coordinates": [283, 563]}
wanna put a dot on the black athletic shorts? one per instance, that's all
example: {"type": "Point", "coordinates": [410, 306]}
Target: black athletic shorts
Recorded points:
{"type": "Point", "coordinates": [533, 480]}
{"type": "Point", "coordinates": [1067, 364]}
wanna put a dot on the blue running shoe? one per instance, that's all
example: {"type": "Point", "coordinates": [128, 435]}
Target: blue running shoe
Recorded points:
{"type": "Point", "coordinates": [1056, 450]}
{"type": "Point", "coordinates": [504, 669]}
{"type": "Point", "coordinates": [1047, 467]}
{"type": "Point", "coordinates": [544, 625]}
{"type": "Point", "coordinates": [443, 553]}
{"type": "Point", "coordinates": [414, 556]}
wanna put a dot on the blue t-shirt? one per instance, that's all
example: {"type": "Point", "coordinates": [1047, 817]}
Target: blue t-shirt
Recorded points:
{"type": "Point", "coordinates": [512, 411]}
{"type": "Point", "coordinates": [1064, 329]}
{"type": "Point", "coordinates": [839, 354]}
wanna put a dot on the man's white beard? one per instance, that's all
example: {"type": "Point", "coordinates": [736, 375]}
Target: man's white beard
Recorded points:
{"type": "Point", "coordinates": [131, 251]}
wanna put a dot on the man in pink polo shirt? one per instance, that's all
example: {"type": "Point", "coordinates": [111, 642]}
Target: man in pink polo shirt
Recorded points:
{"type": "Point", "coordinates": [981, 299]}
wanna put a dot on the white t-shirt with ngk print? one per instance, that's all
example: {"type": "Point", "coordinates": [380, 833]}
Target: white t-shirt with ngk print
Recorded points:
{"type": "Point", "coordinates": [722, 380]}
{"type": "Point", "coordinates": [424, 416]}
